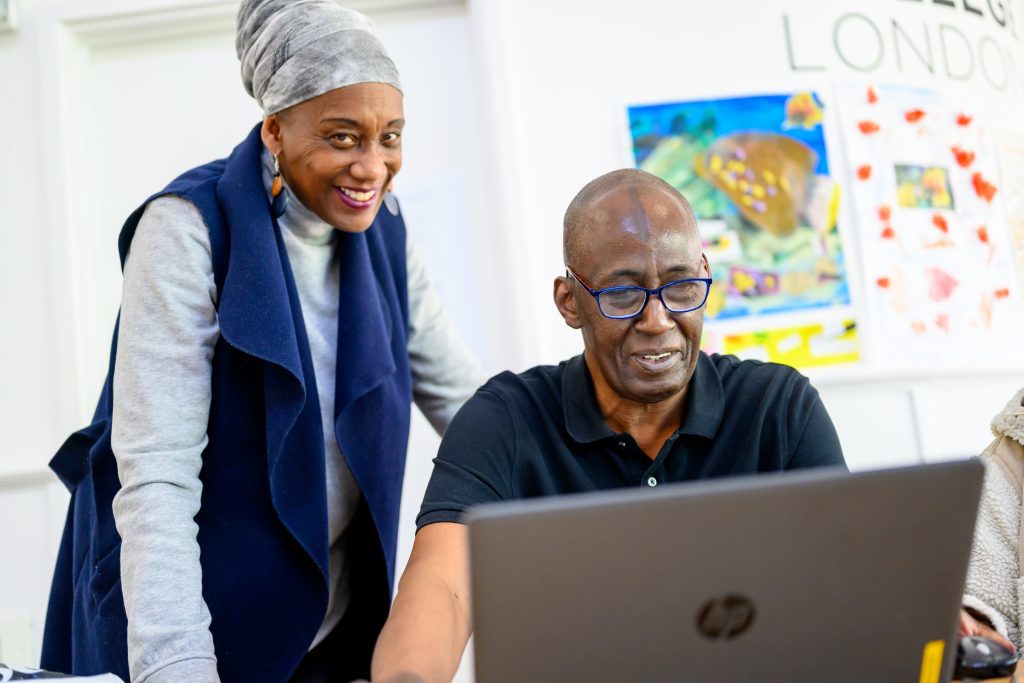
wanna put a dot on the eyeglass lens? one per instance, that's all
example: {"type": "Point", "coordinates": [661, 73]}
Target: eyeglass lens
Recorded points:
{"type": "Point", "coordinates": [678, 298]}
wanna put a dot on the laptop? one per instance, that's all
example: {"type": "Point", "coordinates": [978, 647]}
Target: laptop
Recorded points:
{"type": "Point", "coordinates": [804, 576]}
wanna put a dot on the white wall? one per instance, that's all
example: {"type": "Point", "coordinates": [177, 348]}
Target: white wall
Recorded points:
{"type": "Point", "coordinates": [513, 105]}
{"type": "Point", "coordinates": [31, 405]}
{"type": "Point", "coordinates": [28, 342]}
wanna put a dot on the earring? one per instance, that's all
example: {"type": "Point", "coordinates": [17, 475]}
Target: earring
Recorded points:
{"type": "Point", "coordinates": [279, 200]}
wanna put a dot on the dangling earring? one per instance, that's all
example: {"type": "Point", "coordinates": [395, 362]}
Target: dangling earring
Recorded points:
{"type": "Point", "coordinates": [279, 200]}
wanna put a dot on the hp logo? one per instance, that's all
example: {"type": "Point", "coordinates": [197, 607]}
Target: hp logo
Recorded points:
{"type": "Point", "coordinates": [725, 617]}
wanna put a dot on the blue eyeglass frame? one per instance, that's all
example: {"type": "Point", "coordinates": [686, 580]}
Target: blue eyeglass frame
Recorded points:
{"type": "Point", "coordinates": [596, 293]}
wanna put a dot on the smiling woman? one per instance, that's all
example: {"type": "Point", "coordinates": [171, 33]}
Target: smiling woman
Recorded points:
{"type": "Point", "coordinates": [235, 501]}
{"type": "Point", "coordinates": [340, 151]}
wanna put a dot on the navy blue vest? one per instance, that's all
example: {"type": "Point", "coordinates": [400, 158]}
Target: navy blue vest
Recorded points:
{"type": "Point", "coordinates": [263, 521]}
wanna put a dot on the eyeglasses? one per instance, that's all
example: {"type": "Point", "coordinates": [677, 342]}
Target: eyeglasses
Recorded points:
{"type": "Point", "coordinates": [629, 301]}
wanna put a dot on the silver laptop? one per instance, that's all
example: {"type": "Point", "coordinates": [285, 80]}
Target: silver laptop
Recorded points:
{"type": "Point", "coordinates": [811, 576]}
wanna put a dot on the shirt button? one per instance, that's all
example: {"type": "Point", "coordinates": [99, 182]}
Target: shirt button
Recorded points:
{"type": "Point", "coordinates": [622, 444]}
{"type": "Point", "coordinates": [651, 481]}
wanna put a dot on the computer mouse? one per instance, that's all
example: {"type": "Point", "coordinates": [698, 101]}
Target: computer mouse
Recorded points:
{"type": "Point", "coordinates": [978, 657]}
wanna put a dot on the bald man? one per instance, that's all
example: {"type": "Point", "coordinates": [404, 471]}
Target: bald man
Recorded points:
{"type": "Point", "coordinates": [641, 406]}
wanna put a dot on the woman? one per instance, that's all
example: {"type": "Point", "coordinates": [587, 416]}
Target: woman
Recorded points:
{"type": "Point", "coordinates": [992, 597]}
{"type": "Point", "coordinates": [249, 444]}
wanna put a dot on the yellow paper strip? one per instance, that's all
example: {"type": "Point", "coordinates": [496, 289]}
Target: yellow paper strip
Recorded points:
{"type": "Point", "coordinates": [931, 661]}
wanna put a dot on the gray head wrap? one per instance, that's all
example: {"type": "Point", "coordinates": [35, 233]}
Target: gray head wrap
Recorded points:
{"type": "Point", "coordinates": [294, 50]}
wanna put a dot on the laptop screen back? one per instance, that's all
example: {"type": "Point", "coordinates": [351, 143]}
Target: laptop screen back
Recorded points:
{"type": "Point", "coordinates": [817, 575]}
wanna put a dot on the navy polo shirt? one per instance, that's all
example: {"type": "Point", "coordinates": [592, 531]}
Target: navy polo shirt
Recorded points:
{"type": "Point", "coordinates": [540, 433]}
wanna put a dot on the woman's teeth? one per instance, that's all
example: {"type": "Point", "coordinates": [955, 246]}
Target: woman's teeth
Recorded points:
{"type": "Point", "coordinates": [359, 196]}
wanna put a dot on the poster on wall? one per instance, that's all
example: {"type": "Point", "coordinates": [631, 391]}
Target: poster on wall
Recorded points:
{"type": "Point", "coordinates": [830, 342]}
{"type": "Point", "coordinates": [928, 198]}
{"type": "Point", "coordinates": [756, 171]}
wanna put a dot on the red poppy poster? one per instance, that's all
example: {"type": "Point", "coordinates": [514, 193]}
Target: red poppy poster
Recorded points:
{"type": "Point", "coordinates": [929, 209]}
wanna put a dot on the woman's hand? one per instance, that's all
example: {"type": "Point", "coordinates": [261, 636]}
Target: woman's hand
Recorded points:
{"type": "Point", "coordinates": [969, 626]}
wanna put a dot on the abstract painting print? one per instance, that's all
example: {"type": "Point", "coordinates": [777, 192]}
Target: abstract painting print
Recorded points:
{"type": "Point", "coordinates": [756, 171]}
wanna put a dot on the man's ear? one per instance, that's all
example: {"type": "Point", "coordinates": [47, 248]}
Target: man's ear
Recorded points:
{"type": "Point", "coordinates": [707, 267]}
{"type": "Point", "coordinates": [565, 302]}
{"type": "Point", "coordinates": [270, 133]}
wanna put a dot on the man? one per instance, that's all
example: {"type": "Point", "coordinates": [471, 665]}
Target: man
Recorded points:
{"type": "Point", "coordinates": [640, 407]}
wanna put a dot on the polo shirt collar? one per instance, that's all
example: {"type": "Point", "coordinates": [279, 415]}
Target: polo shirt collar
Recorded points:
{"type": "Point", "coordinates": [705, 404]}
{"type": "Point", "coordinates": [583, 420]}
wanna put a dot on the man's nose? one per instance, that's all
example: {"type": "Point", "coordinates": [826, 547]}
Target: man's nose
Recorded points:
{"type": "Point", "coordinates": [654, 319]}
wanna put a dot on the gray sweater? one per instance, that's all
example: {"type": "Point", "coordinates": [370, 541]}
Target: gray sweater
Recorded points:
{"type": "Point", "coordinates": [162, 396]}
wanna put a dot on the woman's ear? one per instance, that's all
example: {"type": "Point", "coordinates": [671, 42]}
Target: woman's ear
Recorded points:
{"type": "Point", "coordinates": [565, 302]}
{"type": "Point", "coordinates": [270, 133]}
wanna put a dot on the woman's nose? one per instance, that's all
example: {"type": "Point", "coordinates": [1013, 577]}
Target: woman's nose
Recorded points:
{"type": "Point", "coordinates": [370, 165]}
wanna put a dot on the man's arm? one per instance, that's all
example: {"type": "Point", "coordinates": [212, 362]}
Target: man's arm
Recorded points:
{"type": "Point", "coordinates": [429, 625]}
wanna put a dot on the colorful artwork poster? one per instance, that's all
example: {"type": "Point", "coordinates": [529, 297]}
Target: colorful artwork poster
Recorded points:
{"type": "Point", "coordinates": [931, 222]}
{"type": "Point", "coordinates": [802, 346]}
{"type": "Point", "coordinates": [756, 171]}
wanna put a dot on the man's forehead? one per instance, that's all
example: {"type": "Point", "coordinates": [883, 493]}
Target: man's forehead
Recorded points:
{"type": "Point", "coordinates": [643, 211]}
{"type": "Point", "coordinates": [622, 252]}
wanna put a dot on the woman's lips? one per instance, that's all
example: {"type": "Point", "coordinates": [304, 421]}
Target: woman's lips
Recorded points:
{"type": "Point", "coordinates": [657, 361]}
{"type": "Point", "coordinates": [355, 198]}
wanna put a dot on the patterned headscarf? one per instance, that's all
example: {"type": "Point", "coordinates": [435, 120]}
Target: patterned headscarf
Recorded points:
{"type": "Point", "coordinates": [294, 50]}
